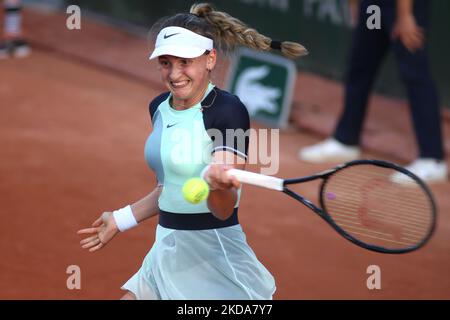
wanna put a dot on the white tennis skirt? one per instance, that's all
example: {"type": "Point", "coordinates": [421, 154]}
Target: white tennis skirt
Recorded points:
{"type": "Point", "coordinates": [201, 265]}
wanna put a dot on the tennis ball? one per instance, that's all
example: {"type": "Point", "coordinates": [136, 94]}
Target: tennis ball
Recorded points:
{"type": "Point", "coordinates": [195, 190]}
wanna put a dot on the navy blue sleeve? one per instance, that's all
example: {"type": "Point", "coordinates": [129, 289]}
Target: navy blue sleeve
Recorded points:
{"type": "Point", "coordinates": [227, 122]}
{"type": "Point", "coordinates": [154, 104]}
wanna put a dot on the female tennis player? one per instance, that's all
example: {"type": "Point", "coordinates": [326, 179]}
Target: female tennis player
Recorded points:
{"type": "Point", "coordinates": [200, 251]}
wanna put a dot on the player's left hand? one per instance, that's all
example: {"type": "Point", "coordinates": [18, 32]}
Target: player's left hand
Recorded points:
{"type": "Point", "coordinates": [409, 33]}
{"type": "Point", "coordinates": [102, 231]}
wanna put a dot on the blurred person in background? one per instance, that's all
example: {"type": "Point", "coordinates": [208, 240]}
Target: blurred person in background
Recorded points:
{"type": "Point", "coordinates": [12, 43]}
{"type": "Point", "coordinates": [404, 25]}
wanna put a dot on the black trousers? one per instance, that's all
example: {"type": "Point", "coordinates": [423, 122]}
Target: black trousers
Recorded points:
{"type": "Point", "coordinates": [369, 47]}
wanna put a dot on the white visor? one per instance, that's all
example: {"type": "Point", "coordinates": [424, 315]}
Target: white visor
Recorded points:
{"type": "Point", "coordinates": [180, 42]}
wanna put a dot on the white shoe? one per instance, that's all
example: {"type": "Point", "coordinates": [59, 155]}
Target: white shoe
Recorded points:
{"type": "Point", "coordinates": [17, 48]}
{"type": "Point", "coordinates": [20, 48]}
{"type": "Point", "coordinates": [427, 169]}
{"type": "Point", "coordinates": [329, 150]}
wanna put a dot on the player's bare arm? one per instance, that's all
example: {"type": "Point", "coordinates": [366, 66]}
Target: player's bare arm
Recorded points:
{"type": "Point", "coordinates": [223, 195]}
{"type": "Point", "coordinates": [105, 228]}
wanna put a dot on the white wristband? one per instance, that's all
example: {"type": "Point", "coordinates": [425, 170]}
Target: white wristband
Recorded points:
{"type": "Point", "coordinates": [125, 219]}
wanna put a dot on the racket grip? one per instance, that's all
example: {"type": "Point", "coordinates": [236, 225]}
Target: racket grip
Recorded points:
{"type": "Point", "coordinates": [257, 179]}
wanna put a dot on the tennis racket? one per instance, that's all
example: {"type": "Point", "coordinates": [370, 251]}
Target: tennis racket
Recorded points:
{"type": "Point", "coordinates": [377, 205]}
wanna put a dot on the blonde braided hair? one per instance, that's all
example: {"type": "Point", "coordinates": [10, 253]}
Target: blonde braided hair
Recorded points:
{"type": "Point", "coordinates": [227, 32]}
{"type": "Point", "coordinates": [231, 32]}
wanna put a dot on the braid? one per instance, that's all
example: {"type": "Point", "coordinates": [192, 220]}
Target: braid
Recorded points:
{"type": "Point", "coordinates": [231, 32]}
{"type": "Point", "coordinates": [226, 31]}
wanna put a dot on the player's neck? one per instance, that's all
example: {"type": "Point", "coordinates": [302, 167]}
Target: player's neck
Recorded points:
{"type": "Point", "coordinates": [186, 104]}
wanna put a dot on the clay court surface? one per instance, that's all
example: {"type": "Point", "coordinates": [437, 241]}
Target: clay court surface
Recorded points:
{"type": "Point", "coordinates": [73, 123]}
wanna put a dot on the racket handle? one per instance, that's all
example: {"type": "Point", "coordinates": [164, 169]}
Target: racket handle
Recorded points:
{"type": "Point", "coordinates": [257, 179]}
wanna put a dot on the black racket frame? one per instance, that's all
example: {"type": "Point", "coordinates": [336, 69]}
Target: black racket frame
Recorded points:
{"type": "Point", "coordinates": [322, 211]}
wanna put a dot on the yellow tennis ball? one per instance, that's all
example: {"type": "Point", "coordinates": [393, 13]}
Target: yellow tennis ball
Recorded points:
{"type": "Point", "coordinates": [195, 190]}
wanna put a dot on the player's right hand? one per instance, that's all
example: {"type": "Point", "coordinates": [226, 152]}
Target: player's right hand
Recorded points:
{"type": "Point", "coordinates": [102, 231]}
{"type": "Point", "coordinates": [217, 178]}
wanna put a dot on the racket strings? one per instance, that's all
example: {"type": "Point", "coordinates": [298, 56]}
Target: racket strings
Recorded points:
{"type": "Point", "coordinates": [410, 229]}
{"type": "Point", "coordinates": [418, 222]}
{"type": "Point", "coordinates": [368, 203]}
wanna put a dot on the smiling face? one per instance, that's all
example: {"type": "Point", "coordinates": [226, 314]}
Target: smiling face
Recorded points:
{"type": "Point", "coordinates": [186, 78]}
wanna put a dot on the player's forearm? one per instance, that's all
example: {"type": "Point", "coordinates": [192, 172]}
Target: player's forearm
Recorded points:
{"type": "Point", "coordinates": [404, 8]}
{"type": "Point", "coordinates": [148, 206]}
{"type": "Point", "coordinates": [221, 202]}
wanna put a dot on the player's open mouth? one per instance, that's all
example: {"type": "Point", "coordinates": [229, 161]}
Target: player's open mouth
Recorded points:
{"type": "Point", "coordinates": [179, 84]}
